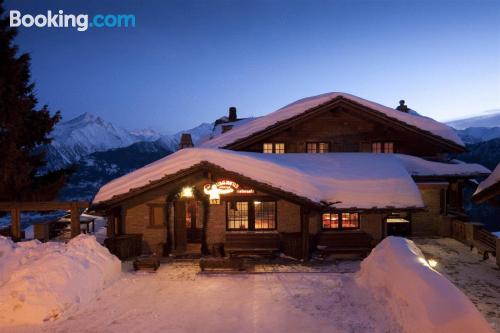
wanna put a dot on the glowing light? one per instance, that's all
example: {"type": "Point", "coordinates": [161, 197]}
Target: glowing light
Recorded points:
{"type": "Point", "coordinates": [187, 192]}
{"type": "Point", "coordinates": [429, 263]}
{"type": "Point", "coordinates": [433, 263]}
{"type": "Point", "coordinates": [257, 202]}
{"type": "Point", "coordinates": [214, 194]}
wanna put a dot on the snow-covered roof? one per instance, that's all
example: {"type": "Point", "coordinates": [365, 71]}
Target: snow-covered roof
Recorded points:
{"type": "Point", "coordinates": [360, 180]}
{"type": "Point", "coordinates": [492, 179]}
{"type": "Point", "coordinates": [306, 104]}
{"type": "Point", "coordinates": [417, 166]}
{"type": "Point", "coordinates": [217, 130]}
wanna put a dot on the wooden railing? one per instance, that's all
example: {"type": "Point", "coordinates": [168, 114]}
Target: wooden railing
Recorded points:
{"type": "Point", "coordinates": [486, 238]}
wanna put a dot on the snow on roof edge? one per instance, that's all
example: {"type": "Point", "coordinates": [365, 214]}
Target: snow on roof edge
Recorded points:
{"type": "Point", "coordinates": [298, 174]}
{"type": "Point", "coordinates": [306, 104]}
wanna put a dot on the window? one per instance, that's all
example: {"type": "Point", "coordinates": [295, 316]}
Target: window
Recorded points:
{"type": "Point", "coordinates": [350, 221]}
{"type": "Point", "coordinates": [383, 147]}
{"type": "Point", "coordinates": [267, 148]}
{"type": "Point", "coordinates": [330, 221]}
{"type": "Point", "coordinates": [265, 215]}
{"type": "Point", "coordinates": [251, 215]}
{"type": "Point", "coordinates": [156, 215]}
{"type": "Point", "coordinates": [317, 147]}
{"type": "Point", "coordinates": [340, 221]}
{"type": "Point", "coordinates": [273, 148]}
{"type": "Point", "coordinates": [237, 215]}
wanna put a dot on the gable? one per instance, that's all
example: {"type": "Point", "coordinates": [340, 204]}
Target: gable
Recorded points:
{"type": "Point", "coordinates": [345, 129]}
{"type": "Point", "coordinates": [285, 117]}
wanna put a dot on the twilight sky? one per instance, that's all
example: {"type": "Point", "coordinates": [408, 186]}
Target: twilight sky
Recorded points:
{"type": "Point", "coordinates": [186, 62]}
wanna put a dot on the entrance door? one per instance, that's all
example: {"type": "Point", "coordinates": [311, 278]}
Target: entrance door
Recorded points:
{"type": "Point", "coordinates": [194, 222]}
{"type": "Point", "coordinates": [397, 226]}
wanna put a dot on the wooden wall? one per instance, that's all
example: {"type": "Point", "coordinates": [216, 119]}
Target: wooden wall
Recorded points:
{"type": "Point", "coordinates": [347, 131]}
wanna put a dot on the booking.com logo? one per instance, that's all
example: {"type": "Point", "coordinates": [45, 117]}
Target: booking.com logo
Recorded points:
{"type": "Point", "coordinates": [80, 22]}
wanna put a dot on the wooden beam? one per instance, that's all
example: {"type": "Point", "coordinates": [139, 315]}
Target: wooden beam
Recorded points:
{"type": "Point", "coordinates": [75, 220]}
{"type": "Point", "coordinates": [304, 228]}
{"type": "Point", "coordinates": [42, 205]}
{"type": "Point", "coordinates": [16, 223]}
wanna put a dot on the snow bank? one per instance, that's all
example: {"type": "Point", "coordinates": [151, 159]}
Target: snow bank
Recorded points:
{"type": "Point", "coordinates": [40, 281]}
{"type": "Point", "coordinates": [420, 298]}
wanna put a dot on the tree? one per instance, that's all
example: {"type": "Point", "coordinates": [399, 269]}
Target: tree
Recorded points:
{"type": "Point", "coordinates": [23, 127]}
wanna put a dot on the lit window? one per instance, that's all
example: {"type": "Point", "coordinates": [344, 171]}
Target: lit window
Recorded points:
{"type": "Point", "coordinates": [273, 148]}
{"type": "Point", "coordinates": [279, 148]}
{"type": "Point", "coordinates": [265, 215]}
{"type": "Point", "coordinates": [389, 147]}
{"type": "Point", "coordinates": [268, 148]}
{"type": "Point", "coordinates": [251, 215]}
{"type": "Point", "coordinates": [330, 221]}
{"type": "Point", "coordinates": [350, 221]}
{"type": "Point", "coordinates": [317, 147]}
{"type": "Point", "coordinates": [377, 147]}
{"type": "Point", "coordinates": [311, 148]}
{"type": "Point", "coordinates": [340, 221]}
{"type": "Point", "coordinates": [237, 215]}
{"type": "Point", "coordinates": [323, 147]}
{"type": "Point", "coordinates": [383, 147]}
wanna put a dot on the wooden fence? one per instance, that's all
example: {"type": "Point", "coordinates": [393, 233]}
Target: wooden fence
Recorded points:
{"type": "Point", "coordinates": [15, 209]}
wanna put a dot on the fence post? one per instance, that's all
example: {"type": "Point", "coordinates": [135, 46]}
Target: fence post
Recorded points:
{"type": "Point", "coordinates": [15, 215]}
{"type": "Point", "coordinates": [75, 220]}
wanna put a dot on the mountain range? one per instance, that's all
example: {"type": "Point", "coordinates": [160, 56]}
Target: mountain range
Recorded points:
{"type": "Point", "coordinates": [88, 133]}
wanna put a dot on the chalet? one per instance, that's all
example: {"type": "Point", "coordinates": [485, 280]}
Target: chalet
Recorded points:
{"type": "Point", "coordinates": [332, 172]}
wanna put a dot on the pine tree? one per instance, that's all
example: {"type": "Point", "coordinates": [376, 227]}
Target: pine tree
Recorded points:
{"type": "Point", "coordinates": [23, 127]}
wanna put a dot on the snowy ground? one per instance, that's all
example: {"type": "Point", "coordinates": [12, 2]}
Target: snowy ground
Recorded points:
{"type": "Point", "coordinates": [478, 279]}
{"type": "Point", "coordinates": [180, 299]}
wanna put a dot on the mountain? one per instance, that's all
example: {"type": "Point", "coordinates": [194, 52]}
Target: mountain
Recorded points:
{"type": "Point", "coordinates": [489, 118]}
{"type": "Point", "coordinates": [98, 168]}
{"type": "Point", "coordinates": [86, 134]}
{"type": "Point", "coordinates": [472, 135]}
{"type": "Point", "coordinates": [199, 134]}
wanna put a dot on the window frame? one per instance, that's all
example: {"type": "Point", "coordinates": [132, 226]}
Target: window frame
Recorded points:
{"type": "Point", "coordinates": [384, 147]}
{"type": "Point", "coordinates": [251, 213]}
{"type": "Point", "coordinates": [152, 220]}
{"type": "Point", "coordinates": [317, 145]}
{"type": "Point", "coordinates": [340, 220]}
{"type": "Point", "coordinates": [273, 145]}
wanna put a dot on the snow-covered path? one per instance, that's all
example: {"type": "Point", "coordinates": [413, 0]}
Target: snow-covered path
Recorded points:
{"type": "Point", "coordinates": [478, 279]}
{"type": "Point", "coordinates": [179, 299]}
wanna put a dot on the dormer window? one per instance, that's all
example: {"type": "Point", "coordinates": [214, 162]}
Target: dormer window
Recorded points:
{"type": "Point", "coordinates": [273, 148]}
{"type": "Point", "coordinates": [383, 147]}
{"type": "Point", "coordinates": [317, 147]}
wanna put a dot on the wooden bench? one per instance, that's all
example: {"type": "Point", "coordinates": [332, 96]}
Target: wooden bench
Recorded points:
{"type": "Point", "coordinates": [344, 242]}
{"type": "Point", "coordinates": [222, 263]}
{"type": "Point", "coordinates": [146, 263]}
{"type": "Point", "coordinates": [252, 243]}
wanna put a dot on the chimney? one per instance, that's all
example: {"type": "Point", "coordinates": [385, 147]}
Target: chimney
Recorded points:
{"type": "Point", "coordinates": [186, 141]}
{"type": "Point", "coordinates": [232, 114]}
{"type": "Point", "coordinates": [402, 107]}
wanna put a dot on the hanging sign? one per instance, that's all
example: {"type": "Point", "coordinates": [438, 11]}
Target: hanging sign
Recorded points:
{"type": "Point", "coordinates": [225, 187]}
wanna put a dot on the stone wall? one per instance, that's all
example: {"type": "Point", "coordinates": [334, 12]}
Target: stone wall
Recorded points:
{"type": "Point", "coordinates": [431, 221]}
{"type": "Point", "coordinates": [136, 220]}
{"type": "Point", "coordinates": [372, 225]}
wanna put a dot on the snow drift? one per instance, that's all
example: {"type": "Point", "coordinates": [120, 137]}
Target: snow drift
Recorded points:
{"type": "Point", "coordinates": [40, 281]}
{"type": "Point", "coordinates": [420, 298]}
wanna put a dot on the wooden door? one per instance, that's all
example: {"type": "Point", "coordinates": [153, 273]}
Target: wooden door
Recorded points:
{"type": "Point", "coordinates": [180, 240]}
